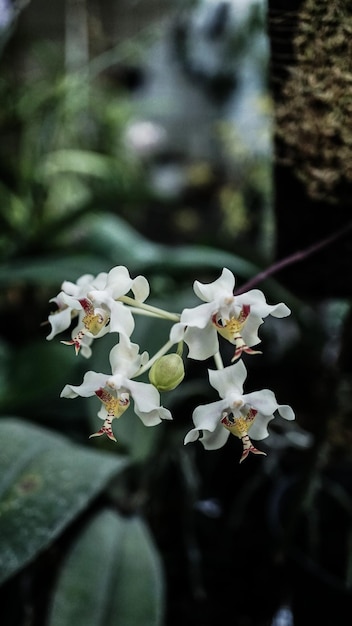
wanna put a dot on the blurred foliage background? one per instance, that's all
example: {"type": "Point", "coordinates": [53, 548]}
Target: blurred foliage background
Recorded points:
{"type": "Point", "coordinates": [146, 134]}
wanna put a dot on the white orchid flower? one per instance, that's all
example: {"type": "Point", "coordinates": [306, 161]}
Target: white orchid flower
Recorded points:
{"type": "Point", "coordinates": [114, 390]}
{"type": "Point", "coordinates": [95, 302]}
{"type": "Point", "coordinates": [118, 284]}
{"type": "Point", "coordinates": [235, 413]}
{"type": "Point", "coordinates": [67, 299]}
{"type": "Point", "coordinates": [235, 317]}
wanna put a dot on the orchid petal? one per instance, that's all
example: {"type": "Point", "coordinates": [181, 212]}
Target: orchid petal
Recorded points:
{"type": "Point", "coordinates": [125, 358]}
{"type": "Point", "coordinates": [177, 332]}
{"type": "Point", "coordinates": [91, 382]}
{"type": "Point", "coordinates": [140, 288]}
{"type": "Point", "coordinates": [191, 436]}
{"type": "Point", "coordinates": [75, 289]}
{"type": "Point", "coordinates": [86, 350]}
{"type": "Point", "coordinates": [153, 417]}
{"type": "Point", "coordinates": [250, 330]}
{"type": "Point", "coordinates": [286, 412]}
{"type": "Point", "coordinates": [263, 401]}
{"type": "Point", "coordinates": [256, 299]}
{"type": "Point", "coordinates": [215, 440]}
{"type": "Point", "coordinates": [71, 301]}
{"type": "Point", "coordinates": [201, 346]}
{"type": "Point", "coordinates": [207, 416]}
{"type": "Point", "coordinates": [146, 397]}
{"type": "Point", "coordinates": [119, 281]}
{"type": "Point", "coordinates": [199, 316]}
{"type": "Point", "coordinates": [59, 321]}
{"type": "Point", "coordinates": [228, 379]}
{"type": "Point", "coordinates": [259, 428]}
{"type": "Point", "coordinates": [215, 290]}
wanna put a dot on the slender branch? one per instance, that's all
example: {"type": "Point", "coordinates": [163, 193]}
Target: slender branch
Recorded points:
{"type": "Point", "coordinates": [174, 317]}
{"type": "Point", "coordinates": [218, 361]}
{"type": "Point", "coordinates": [165, 348]}
{"type": "Point", "coordinates": [137, 311]}
{"type": "Point", "coordinates": [300, 255]}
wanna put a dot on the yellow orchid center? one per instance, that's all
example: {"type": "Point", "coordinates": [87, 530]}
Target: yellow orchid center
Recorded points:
{"type": "Point", "coordinates": [239, 426]}
{"type": "Point", "coordinates": [92, 322]}
{"type": "Point", "coordinates": [115, 407]}
{"type": "Point", "coordinates": [231, 329]}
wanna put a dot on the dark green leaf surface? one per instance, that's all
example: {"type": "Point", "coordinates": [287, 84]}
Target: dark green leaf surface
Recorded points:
{"type": "Point", "coordinates": [45, 482]}
{"type": "Point", "coordinates": [112, 577]}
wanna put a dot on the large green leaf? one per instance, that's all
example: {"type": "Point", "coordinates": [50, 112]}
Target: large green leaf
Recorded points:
{"type": "Point", "coordinates": [46, 481]}
{"type": "Point", "coordinates": [111, 236]}
{"type": "Point", "coordinates": [106, 240]}
{"type": "Point", "coordinates": [112, 577]}
{"type": "Point", "coordinates": [53, 366]}
{"type": "Point", "coordinates": [51, 270]}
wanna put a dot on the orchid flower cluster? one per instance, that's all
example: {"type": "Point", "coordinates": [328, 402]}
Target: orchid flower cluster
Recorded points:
{"type": "Point", "coordinates": [109, 303]}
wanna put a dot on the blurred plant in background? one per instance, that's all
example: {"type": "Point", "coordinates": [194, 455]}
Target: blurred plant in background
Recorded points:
{"type": "Point", "coordinates": [124, 151]}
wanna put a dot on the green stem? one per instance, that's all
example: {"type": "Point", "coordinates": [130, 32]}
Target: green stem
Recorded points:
{"type": "Point", "coordinates": [174, 317]}
{"type": "Point", "coordinates": [163, 350]}
{"type": "Point", "coordinates": [218, 361]}
{"type": "Point", "coordinates": [136, 311]}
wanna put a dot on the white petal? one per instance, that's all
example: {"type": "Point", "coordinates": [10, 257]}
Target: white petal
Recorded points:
{"type": "Point", "coordinates": [153, 417]}
{"type": "Point", "coordinates": [286, 412]}
{"type": "Point", "coordinates": [71, 302]}
{"type": "Point", "coordinates": [259, 428]}
{"type": "Point", "coordinates": [86, 350]}
{"type": "Point", "coordinates": [215, 440]}
{"type": "Point", "coordinates": [59, 321]}
{"type": "Point", "coordinates": [221, 287]}
{"type": "Point", "coordinates": [99, 281]}
{"type": "Point", "coordinates": [191, 436]}
{"type": "Point", "coordinates": [264, 401]}
{"type": "Point", "coordinates": [256, 299]}
{"type": "Point", "coordinates": [74, 289]}
{"type": "Point", "coordinates": [208, 416]}
{"type": "Point", "coordinates": [91, 382]}
{"type": "Point", "coordinates": [177, 332]}
{"type": "Point", "coordinates": [117, 382]}
{"type": "Point", "coordinates": [84, 280]}
{"type": "Point", "coordinates": [250, 330]}
{"type": "Point", "coordinates": [146, 397]}
{"type": "Point", "coordinates": [229, 379]}
{"type": "Point", "coordinates": [210, 440]}
{"type": "Point", "coordinates": [140, 288]}
{"type": "Point", "coordinates": [119, 281]}
{"type": "Point", "coordinates": [200, 316]}
{"type": "Point", "coordinates": [121, 319]}
{"type": "Point", "coordinates": [202, 343]}
{"type": "Point", "coordinates": [125, 358]}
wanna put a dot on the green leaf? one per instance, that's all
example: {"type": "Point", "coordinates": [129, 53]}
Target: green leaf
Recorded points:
{"type": "Point", "coordinates": [53, 364]}
{"type": "Point", "coordinates": [46, 481]}
{"type": "Point", "coordinates": [51, 270]}
{"type": "Point", "coordinates": [112, 237]}
{"type": "Point", "coordinates": [82, 162]}
{"type": "Point", "coordinates": [111, 577]}
{"type": "Point", "coordinates": [111, 241]}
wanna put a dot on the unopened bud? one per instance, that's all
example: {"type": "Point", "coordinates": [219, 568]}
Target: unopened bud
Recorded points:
{"type": "Point", "coordinates": [167, 372]}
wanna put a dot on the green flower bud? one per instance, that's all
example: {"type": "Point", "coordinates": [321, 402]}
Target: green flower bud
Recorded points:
{"type": "Point", "coordinates": [167, 372]}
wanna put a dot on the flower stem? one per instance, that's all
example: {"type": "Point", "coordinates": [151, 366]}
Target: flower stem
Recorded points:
{"type": "Point", "coordinates": [163, 350]}
{"type": "Point", "coordinates": [218, 361]}
{"type": "Point", "coordinates": [174, 317]}
{"type": "Point", "coordinates": [300, 255]}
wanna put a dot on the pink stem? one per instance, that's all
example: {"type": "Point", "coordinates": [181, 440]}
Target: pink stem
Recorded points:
{"type": "Point", "coordinates": [300, 255]}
